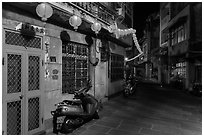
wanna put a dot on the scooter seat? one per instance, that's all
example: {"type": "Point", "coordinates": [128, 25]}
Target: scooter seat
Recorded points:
{"type": "Point", "coordinates": [73, 102]}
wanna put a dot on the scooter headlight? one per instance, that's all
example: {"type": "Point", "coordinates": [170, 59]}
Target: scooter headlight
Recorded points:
{"type": "Point", "coordinates": [64, 109]}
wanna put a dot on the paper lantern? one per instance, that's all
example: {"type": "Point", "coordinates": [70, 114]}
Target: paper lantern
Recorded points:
{"type": "Point", "coordinates": [44, 11]}
{"type": "Point", "coordinates": [96, 27]}
{"type": "Point", "coordinates": [75, 21]}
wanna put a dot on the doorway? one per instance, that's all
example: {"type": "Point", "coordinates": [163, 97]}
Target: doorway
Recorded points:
{"type": "Point", "coordinates": [22, 84]}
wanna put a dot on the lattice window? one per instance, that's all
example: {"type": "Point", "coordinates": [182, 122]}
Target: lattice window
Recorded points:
{"type": "Point", "coordinates": [34, 73]}
{"type": "Point", "coordinates": [14, 118]}
{"type": "Point", "coordinates": [74, 67]}
{"type": "Point", "coordinates": [117, 67]}
{"type": "Point", "coordinates": [18, 39]}
{"type": "Point", "coordinates": [14, 73]}
{"type": "Point", "coordinates": [33, 113]}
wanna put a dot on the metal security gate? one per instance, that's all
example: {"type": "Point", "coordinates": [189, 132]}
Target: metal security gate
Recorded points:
{"type": "Point", "coordinates": [22, 84]}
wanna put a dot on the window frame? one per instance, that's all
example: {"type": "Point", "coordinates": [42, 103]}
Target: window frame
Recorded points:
{"type": "Point", "coordinates": [178, 34]}
{"type": "Point", "coordinates": [79, 54]}
{"type": "Point", "coordinates": [117, 67]}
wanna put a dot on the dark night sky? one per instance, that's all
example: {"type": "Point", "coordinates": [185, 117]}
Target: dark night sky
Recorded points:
{"type": "Point", "coordinates": [141, 12]}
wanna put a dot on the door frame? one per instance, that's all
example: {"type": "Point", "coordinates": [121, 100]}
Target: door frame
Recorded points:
{"type": "Point", "coordinates": [25, 52]}
{"type": "Point", "coordinates": [35, 93]}
{"type": "Point", "coordinates": [15, 96]}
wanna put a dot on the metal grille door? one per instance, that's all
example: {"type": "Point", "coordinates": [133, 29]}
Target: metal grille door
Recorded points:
{"type": "Point", "coordinates": [33, 113]}
{"type": "Point", "coordinates": [14, 85]}
{"type": "Point", "coordinates": [14, 73]}
{"type": "Point", "coordinates": [33, 91]}
{"type": "Point", "coordinates": [14, 118]}
{"type": "Point", "coordinates": [22, 80]}
{"type": "Point", "coordinates": [17, 39]}
{"type": "Point", "coordinates": [33, 73]}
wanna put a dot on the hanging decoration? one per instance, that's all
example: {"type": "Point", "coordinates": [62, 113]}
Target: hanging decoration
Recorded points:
{"type": "Point", "coordinates": [92, 58]}
{"type": "Point", "coordinates": [123, 32]}
{"type": "Point", "coordinates": [75, 21]}
{"type": "Point", "coordinates": [44, 10]}
{"type": "Point", "coordinates": [96, 27]}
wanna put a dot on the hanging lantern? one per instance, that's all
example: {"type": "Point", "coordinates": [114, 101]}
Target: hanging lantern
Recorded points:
{"type": "Point", "coordinates": [119, 32]}
{"type": "Point", "coordinates": [75, 21]}
{"type": "Point", "coordinates": [96, 27]}
{"type": "Point", "coordinates": [122, 32]}
{"type": "Point", "coordinates": [44, 11]}
{"type": "Point", "coordinates": [117, 35]}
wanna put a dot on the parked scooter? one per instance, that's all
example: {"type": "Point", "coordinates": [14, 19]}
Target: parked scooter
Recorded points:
{"type": "Point", "coordinates": [70, 114]}
{"type": "Point", "coordinates": [130, 86]}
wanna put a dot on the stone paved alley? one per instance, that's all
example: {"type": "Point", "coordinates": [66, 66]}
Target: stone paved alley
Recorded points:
{"type": "Point", "coordinates": [151, 111]}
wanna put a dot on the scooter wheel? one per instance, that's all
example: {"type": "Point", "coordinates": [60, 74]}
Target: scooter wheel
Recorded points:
{"type": "Point", "coordinates": [125, 93]}
{"type": "Point", "coordinates": [67, 126]}
{"type": "Point", "coordinates": [96, 116]}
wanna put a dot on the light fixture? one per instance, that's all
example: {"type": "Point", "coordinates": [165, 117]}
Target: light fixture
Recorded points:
{"type": "Point", "coordinates": [75, 21]}
{"type": "Point", "coordinates": [44, 11]}
{"type": "Point", "coordinates": [96, 27]}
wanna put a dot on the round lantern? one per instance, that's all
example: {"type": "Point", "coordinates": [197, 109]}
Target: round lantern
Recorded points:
{"type": "Point", "coordinates": [44, 11]}
{"type": "Point", "coordinates": [96, 27]}
{"type": "Point", "coordinates": [75, 21]}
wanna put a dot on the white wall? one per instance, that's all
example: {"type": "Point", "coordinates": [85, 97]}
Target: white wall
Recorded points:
{"type": "Point", "coordinates": [53, 88]}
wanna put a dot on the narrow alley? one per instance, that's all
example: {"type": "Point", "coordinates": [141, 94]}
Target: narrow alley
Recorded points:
{"type": "Point", "coordinates": [52, 50]}
{"type": "Point", "coordinates": [153, 110]}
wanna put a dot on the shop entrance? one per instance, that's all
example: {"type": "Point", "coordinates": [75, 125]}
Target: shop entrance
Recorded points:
{"type": "Point", "coordinates": [22, 84]}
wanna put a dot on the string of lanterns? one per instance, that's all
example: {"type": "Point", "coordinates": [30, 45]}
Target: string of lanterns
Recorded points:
{"type": "Point", "coordinates": [45, 11]}
{"type": "Point", "coordinates": [123, 32]}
